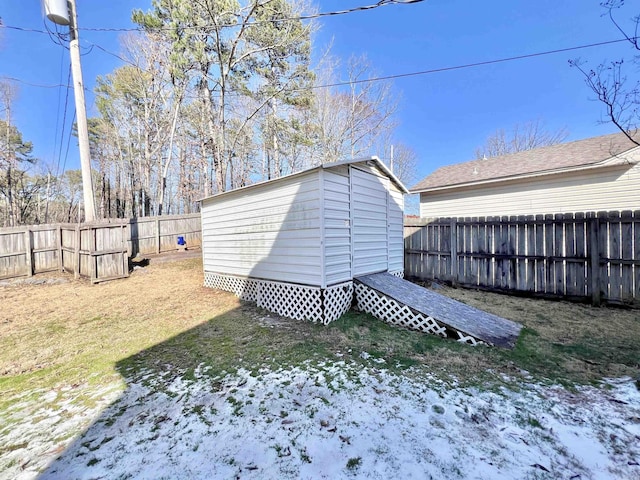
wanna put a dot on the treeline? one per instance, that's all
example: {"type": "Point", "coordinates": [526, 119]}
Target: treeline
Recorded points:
{"type": "Point", "coordinates": [217, 94]}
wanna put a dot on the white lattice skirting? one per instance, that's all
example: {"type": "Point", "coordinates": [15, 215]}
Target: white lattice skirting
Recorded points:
{"type": "Point", "coordinates": [299, 302]}
{"type": "Point", "coordinates": [395, 313]}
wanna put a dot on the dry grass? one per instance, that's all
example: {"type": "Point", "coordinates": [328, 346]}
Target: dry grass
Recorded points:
{"type": "Point", "coordinates": [75, 331]}
{"type": "Point", "coordinates": [576, 342]}
{"type": "Point", "coordinates": [161, 318]}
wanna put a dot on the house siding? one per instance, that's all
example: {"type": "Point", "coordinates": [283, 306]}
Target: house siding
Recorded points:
{"type": "Point", "coordinates": [611, 188]}
{"type": "Point", "coordinates": [271, 232]}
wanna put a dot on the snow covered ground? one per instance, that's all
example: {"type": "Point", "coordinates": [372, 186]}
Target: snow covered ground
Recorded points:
{"type": "Point", "coordinates": [330, 420]}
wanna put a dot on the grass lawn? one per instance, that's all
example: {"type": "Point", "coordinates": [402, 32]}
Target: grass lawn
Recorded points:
{"type": "Point", "coordinates": [79, 345]}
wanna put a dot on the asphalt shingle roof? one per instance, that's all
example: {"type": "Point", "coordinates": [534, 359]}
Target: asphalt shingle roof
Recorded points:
{"type": "Point", "coordinates": [590, 151]}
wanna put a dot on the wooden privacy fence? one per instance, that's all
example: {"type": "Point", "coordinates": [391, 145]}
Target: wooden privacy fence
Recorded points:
{"type": "Point", "coordinates": [99, 251]}
{"type": "Point", "coordinates": [29, 250]}
{"type": "Point", "coordinates": [577, 256]}
{"type": "Point", "coordinates": [159, 234]}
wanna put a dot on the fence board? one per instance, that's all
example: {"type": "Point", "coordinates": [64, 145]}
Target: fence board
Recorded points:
{"type": "Point", "coordinates": [636, 254]}
{"type": "Point", "coordinates": [579, 251]}
{"type": "Point", "coordinates": [530, 238]}
{"type": "Point", "coordinates": [557, 288]}
{"type": "Point", "coordinates": [584, 255]}
{"type": "Point", "coordinates": [521, 253]}
{"type": "Point", "coordinates": [569, 252]}
{"type": "Point", "coordinates": [539, 256]}
{"type": "Point", "coordinates": [512, 249]}
{"type": "Point", "coordinates": [474, 246]}
{"type": "Point", "coordinates": [613, 254]}
{"type": "Point", "coordinates": [447, 266]}
{"type": "Point", "coordinates": [626, 251]}
{"type": "Point", "coordinates": [490, 263]}
{"type": "Point", "coordinates": [456, 244]}
{"type": "Point", "coordinates": [484, 264]}
{"type": "Point", "coordinates": [603, 254]}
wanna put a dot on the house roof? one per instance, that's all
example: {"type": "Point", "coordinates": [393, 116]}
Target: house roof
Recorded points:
{"type": "Point", "coordinates": [577, 155]}
{"type": "Point", "coordinates": [375, 160]}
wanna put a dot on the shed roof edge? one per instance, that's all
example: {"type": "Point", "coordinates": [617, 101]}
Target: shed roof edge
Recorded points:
{"type": "Point", "coordinates": [325, 166]}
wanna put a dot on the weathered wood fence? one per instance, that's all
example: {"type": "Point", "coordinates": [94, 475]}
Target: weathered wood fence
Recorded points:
{"type": "Point", "coordinates": [159, 234]}
{"type": "Point", "coordinates": [591, 255]}
{"type": "Point", "coordinates": [96, 251]}
{"type": "Point", "coordinates": [99, 251]}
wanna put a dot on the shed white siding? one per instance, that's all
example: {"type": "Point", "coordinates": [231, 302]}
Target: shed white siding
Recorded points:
{"type": "Point", "coordinates": [337, 225]}
{"type": "Point", "coordinates": [272, 232]}
{"type": "Point", "coordinates": [396, 226]}
{"type": "Point", "coordinates": [612, 188]}
{"type": "Point", "coordinates": [369, 216]}
{"type": "Point", "coordinates": [318, 228]}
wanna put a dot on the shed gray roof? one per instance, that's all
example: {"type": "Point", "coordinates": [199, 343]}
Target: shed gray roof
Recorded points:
{"type": "Point", "coordinates": [575, 155]}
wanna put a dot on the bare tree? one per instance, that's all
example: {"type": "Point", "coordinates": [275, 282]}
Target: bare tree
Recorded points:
{"type": "Point", "coordinates": [404, 163]}
{"type": "Point", "coordinates": [526, 136]}
{"type": "Point", "coordinates": [15, 158]}
{"type": "Point", "coordinates": [355, 120]}
{"type": "Point", "coordinates": [619, 93]}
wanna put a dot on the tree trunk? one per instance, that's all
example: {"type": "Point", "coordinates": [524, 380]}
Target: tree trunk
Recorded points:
{"type": "Point", "coordinates": [215, 146]}
{"type": "Point", "coordinates": [10, 191]}
{"type": "Point", "coordinates": [165, 172]}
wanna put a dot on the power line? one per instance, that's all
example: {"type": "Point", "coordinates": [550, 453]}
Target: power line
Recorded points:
{"type": "Point", "coordinates": [476, 64]}
{"type": "Point", "coordinates": [55, 135]}
{"type": "Point", "coordinates": [310, 16]}
{"type": "Point", "coordinates": [31, 84]}
{"type": "Point", "coordinates": [64, 122]}
{"type": "Point", "coordinates": [66, 155]}
{"type": "Point", "coordinates": [24, 29]}
{"type": "Point", "coordinates": [110, 53]}
{"type": "Point", "coordinates": [398, 75]}
{"type": "Point", "coordinates": [57, 37]}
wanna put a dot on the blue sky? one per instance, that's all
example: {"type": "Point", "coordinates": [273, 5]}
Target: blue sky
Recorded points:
{"type": "Point", "coordinates": [443, 116]}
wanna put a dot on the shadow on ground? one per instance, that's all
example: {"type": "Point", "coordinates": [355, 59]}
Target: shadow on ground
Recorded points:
{"type": "Point", "coordinates": [177, 389]}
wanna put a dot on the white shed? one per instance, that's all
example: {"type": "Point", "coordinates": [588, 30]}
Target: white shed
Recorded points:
{"type": "Point", "coordinates": [295, 243]}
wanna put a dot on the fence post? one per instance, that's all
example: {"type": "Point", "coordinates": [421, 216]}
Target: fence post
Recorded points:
{"type": "Point", "coordinates": [29, 253]}
{"type": "Point", "coordinates": [124, 232]}
{"type": "Point", "coordinates": [594, 243]}
{"type": "Point", "coordinates": [76, 253]}
{"type": "Point", "coordinates": [454, 250]}
{"type": "Point", "coordinates": [59, 245]}
{"type": "Point", "coordinates": [158, 234]}
{"type": "Point", "coordinates": [93, 249]}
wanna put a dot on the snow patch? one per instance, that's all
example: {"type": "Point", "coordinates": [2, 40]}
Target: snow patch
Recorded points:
{"type": "Point", "coordinates": [340, 420]}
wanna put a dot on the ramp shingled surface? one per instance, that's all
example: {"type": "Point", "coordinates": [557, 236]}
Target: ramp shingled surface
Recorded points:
{"type": "Point", "coordinates": [459, 316]}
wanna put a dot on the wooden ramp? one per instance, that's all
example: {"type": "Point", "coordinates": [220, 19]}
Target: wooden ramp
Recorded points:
{"type": "Point", "coordinates": [395, 300]}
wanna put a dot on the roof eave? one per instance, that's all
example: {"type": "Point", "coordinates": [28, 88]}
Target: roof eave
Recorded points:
{"type": "Point", "coordinates": [609, 162]}
{"type": "Point", "coordinates": [328, 165]}
{"type": "Point", "coordinates": [389, 173]}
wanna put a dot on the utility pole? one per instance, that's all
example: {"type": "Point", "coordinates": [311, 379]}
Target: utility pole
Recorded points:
{"type": "Point", "coordinates": [55, 13]}
{"type": "Point", "coordinates": [10, 161]}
